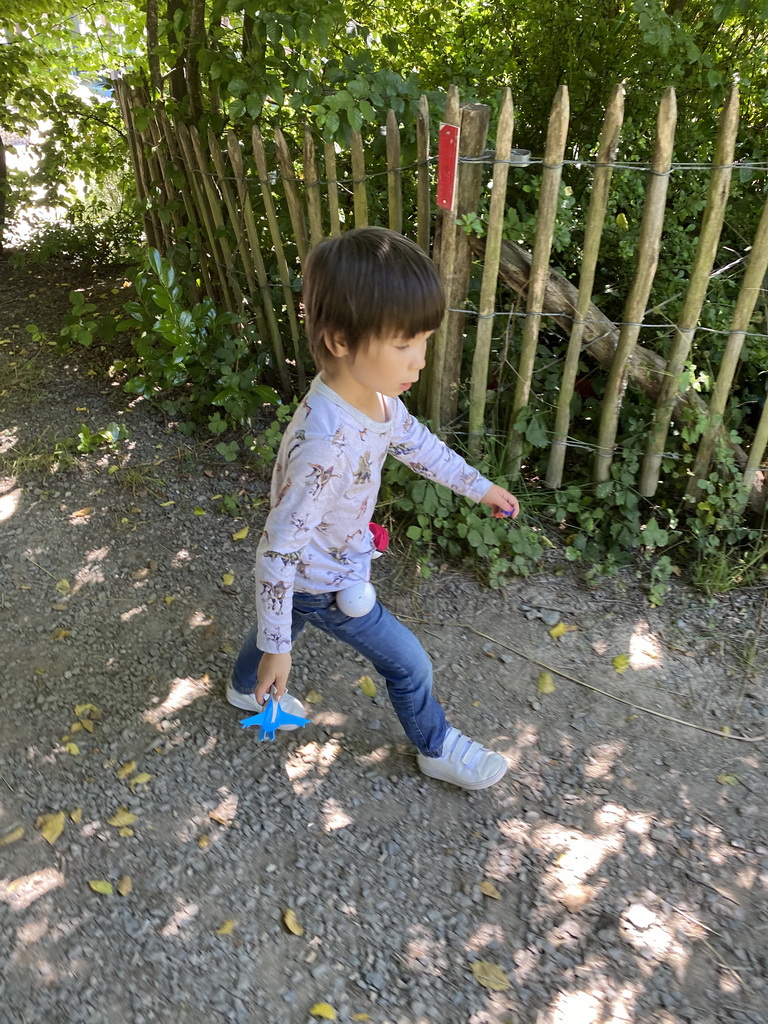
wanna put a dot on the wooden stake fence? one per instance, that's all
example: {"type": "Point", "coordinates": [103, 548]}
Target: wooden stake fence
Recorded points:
{"type": "Point", "coordinates": [248, 213]}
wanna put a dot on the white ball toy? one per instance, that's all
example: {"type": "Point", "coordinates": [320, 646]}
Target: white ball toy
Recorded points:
{"type": "Point", "coordinates": [356, 600]}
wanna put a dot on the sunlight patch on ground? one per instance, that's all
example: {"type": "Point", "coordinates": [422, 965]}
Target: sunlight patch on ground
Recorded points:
{"type": "Point", "coordinates": [198, 619]}
{"type": "Point", "coordinates": [308, 765]}
{"type": "Point", "coordinates": [132, 612]}
{"type": "Point", "coordinates": [180, 558]}
{"type": "Point", "coordinates": [655, 935]}
{"type": "Point", "coordinates": [334, 816]}
{"type": "Point", "coordinates": [645, 650]}
{"type": "Point", "coordinates": [579, 857]}
{"type": "Point", "coordinates": [20, 893]}
{"type": "Point", "coordinates": [183, 692]}
{"type": "Point", "coordinates": [9, 504]}
{"type": "Point", "coordinates": [593, 1006]}
{"type": "Point", "coordinates": [602, 759]}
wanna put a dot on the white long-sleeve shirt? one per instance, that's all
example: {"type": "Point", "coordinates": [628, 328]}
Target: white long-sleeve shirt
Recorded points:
{"type": "Point", "coordinates": [324, 489]}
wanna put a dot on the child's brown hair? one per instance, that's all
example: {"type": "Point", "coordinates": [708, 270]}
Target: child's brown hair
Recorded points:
{"type": "Point", "coordinates": [368, 283]}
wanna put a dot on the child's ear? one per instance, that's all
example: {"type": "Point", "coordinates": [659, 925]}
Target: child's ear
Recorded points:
{"type": "Point", "coordinates": [336, 344]}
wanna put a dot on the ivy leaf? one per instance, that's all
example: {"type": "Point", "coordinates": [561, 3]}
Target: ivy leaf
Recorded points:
{"type": "Point", "coordinates": [490, 976]}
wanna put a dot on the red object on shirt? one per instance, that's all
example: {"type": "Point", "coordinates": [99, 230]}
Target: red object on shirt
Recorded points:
{"type": "Point", "coordinates": [380, 536]}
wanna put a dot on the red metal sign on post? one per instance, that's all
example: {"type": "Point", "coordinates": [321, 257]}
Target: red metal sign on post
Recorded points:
{"type": "Point", "coordinates": [447, 166]}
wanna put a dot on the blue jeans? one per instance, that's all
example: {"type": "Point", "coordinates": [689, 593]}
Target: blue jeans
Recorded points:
{"type": "Point", "coordinates": [392, 648]}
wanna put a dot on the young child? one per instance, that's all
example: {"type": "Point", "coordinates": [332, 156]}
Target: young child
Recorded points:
{"type": "Point", "coordinates": [372, 299]}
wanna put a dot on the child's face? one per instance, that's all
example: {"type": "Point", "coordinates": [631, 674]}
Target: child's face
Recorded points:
{"type": "Point", "coordinates": [389, 365]}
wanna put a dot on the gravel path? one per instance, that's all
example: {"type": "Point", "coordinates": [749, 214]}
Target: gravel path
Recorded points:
{"type": "Point", "coordinates": [619, 873]}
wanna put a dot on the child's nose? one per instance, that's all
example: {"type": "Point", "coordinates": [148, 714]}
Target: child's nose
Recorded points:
{"type": "Point", "coordinates": [420, 357]}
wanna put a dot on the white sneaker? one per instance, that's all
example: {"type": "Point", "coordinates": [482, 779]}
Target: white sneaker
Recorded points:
{"type": "Point", "coordinates": [464, 763]}
{"type": "Point", "coordinates": [248, 702]}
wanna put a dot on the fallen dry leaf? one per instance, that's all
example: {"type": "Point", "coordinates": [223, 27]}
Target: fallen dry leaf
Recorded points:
{"type": "Point", "coordinates": [240, 534]}
{"type": "Point", "coordinates": [545, 683]}
{"type": "Point", "coordinates": [127, 769]}
{"type": "Point", "coordinates": [101, 885]}
{"type": "Point", "coordinates": [125, 886]}
{"type": "Point", "coordinates": [51, 826]}
{"type": "Point", "coordinates": [13, 836]}
{"type": "Point", "coordinates": [72, 748]}
{"type": "Point", "coordinates": [228, 578]}
{"type": "Point", "coordinates": [313, 697]}
{"type": "Point", "coordinates": [87, 711]}
{"type": "Point", "coordinates": [490, 975]}
{"type": "Point", "coordinates": [125, 832]}
{"type": "Point", "coordinates": [81, 512]}
{"type": "Point", "coordinates": [139, 780]}
{"type": "Point", "coordinates": [63, 587]}
{"type": "Point", "coordinates": [487, 888]}
{"type": "Point", "coordinates": [367, 686]}
{"type": "Point", "coordinates": [726, 779]}
{"type": "Point", "coordinates": [324, 1010]}
{"type": "Point", "coordinates": [226, 927]}
{"type": "Point", "coordinates": [122, 817]}
{"type": "Point", "coordinates": [76, 816]}
{"type": "Point", "coordinates": [292, 924]}
{"type": "Point", "coordinates": [560, 629]}
{"type": "Point", "coordinates": [621, 663]}
{"type": "Point", "coordinates": [59, 634]}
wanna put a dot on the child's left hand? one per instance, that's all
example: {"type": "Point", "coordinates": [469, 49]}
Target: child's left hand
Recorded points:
{"type": "Point", "coordinates": [502, 502]}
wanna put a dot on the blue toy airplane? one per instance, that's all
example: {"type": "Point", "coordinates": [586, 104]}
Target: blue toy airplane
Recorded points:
{"type": "Point", "coordinates": [271, 718]}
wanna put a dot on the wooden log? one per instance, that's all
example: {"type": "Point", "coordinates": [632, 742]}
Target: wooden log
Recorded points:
{"type": "Point", "coordinates": [394, 174]}
{"type": "Point", "coordinates": [649, 243]}
{"type": "Point", "coordinates": [359, 187]}
{"type": "Point", "coordinates": [277, 241]}
{"type": "Point", "coordinates": [706, 251]}
{"type": "Point", "coordinates": [423, 201]}
{"type": "Point", "coordinates": [645, 369]}
{"type": "Point", "coordinates": [750, 291]}
{"type": "Point", "coordinates": [291, 190]}
{"type": "Point", "coordinates": [429, 394]}
{"type": "Point", "coordinates": [312, 185]}
{"type": "Point", "coordinates": [601, 182]}
{"type": "Point", "coordinates": [554, 153]}
{"type": "Point", "coordinates": [236, 160]}
{"type": "Point", "coordinates": [333, 188]}
{"type": "Point", "coordinates": [481, 357]}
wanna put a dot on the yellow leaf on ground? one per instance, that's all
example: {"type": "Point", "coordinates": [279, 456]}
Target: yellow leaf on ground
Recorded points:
{"type": "Point", "coordinates": [324, 1010]}
{"type": "Point", "coordinates": [490, 976]}
{"type": "Point", "coordinates": [59, 634]}
{"type": "Point", "coordinates": [13, 836]}
{"type": "Point", "coordinates": [76, 815]}
{"type": "Point", "coordinates": [51, 826]}
{"type": "Point", "coordinates": [169, 598]}
{"type": "Point", "coordinates": [59, 607]}
{"type": "Point", "coordinates": [620, 663]}
{"type": "Point", "coordinates": [165, 504]}
{"type": "Point", "coordinates": [87, 711]}
{"type": "Point", "coordinates": [726, 779]}
{"type": "Point", "coordinates": [72, 748]}
{"type": "Point", "coordinates": [76, 727]}
{"type": "Point", "coordinates": [122, 817]}
{"type": "Point", "coordinates": [124, 833]}
{"type": "Point", "coordinates": [228, 578]}
{"type": "Point", "coordinates": [139, 780]}
{"type": "Point", "coordinates": [487, 888]}
{"type": "Point", "coordinates": [63, 587]}
{"type": "Point", "coordinates": [560, 629]}
{"type": "Point", "coordinates": [81, 512]}
{"type": "Point", "coordinates": [125, 885]}
{"type": "Point", "coordinates": [240, 534]}
{"type": "Point", "coordinates": [199, 511]}
{"type": "Point", "coordinates": [291, 923]}
{"type": "Point", "coordinates": [226, 927]}
{"type": "Point", "coordinates": [102, 886]}
{"type": "Point", "coordinates": [367, 686]}
{"type": "Point", "coordinates": [86, 724]}
{"type": "Point", "coordinates": [203, 841]}
{"type": "Point", "coordinates": [545, 683]}
{"type": "Point", "coordinates": [361, 1016]}
{"type": "Point", "coordinates": [127, 769]}
{"type": "Point", "coordinates": [313, 697]}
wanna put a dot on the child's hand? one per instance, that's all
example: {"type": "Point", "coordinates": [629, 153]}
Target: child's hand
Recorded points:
{"type": "Point", "coordinates": [502, 502]}
{"type": "Point", "coordinates": [274, 670]}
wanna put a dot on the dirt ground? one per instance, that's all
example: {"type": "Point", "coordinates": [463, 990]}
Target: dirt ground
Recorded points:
{"type": "Point", "coordinates": [619, 873]}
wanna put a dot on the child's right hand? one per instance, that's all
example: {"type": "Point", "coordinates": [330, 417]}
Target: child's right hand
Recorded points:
{"type": "Point", "coordinates": [274, 670]}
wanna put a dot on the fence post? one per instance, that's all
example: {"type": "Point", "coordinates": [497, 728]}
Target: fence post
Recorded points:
{"type": "Point", "coordinates": [647, 261]}
{"type": "Point", "coordinates": [359, 188]}
{"type": "Point", "coordinates": [394, 173]}
{"type": "Point", "coordinates": [423, 211]}
{"type": "Point", "coordinates": [706, 251]}
{"type": "Point", "coordinates": [290, 187]}
{"type": "Point", "coordinates": [751, 287]}
{"type": "Point", "coordinates": [312, 184]}
{"type": "Point", "coordinates": [554, 153]}
{"type": "Point", "coordinates": [481, 357]}
{"type": "Point", "coordinates": [609, 141]}
{"type": "Point", "coordinates": [474, 132]}
{"type": "Point", "coordinates": [333, 188]}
